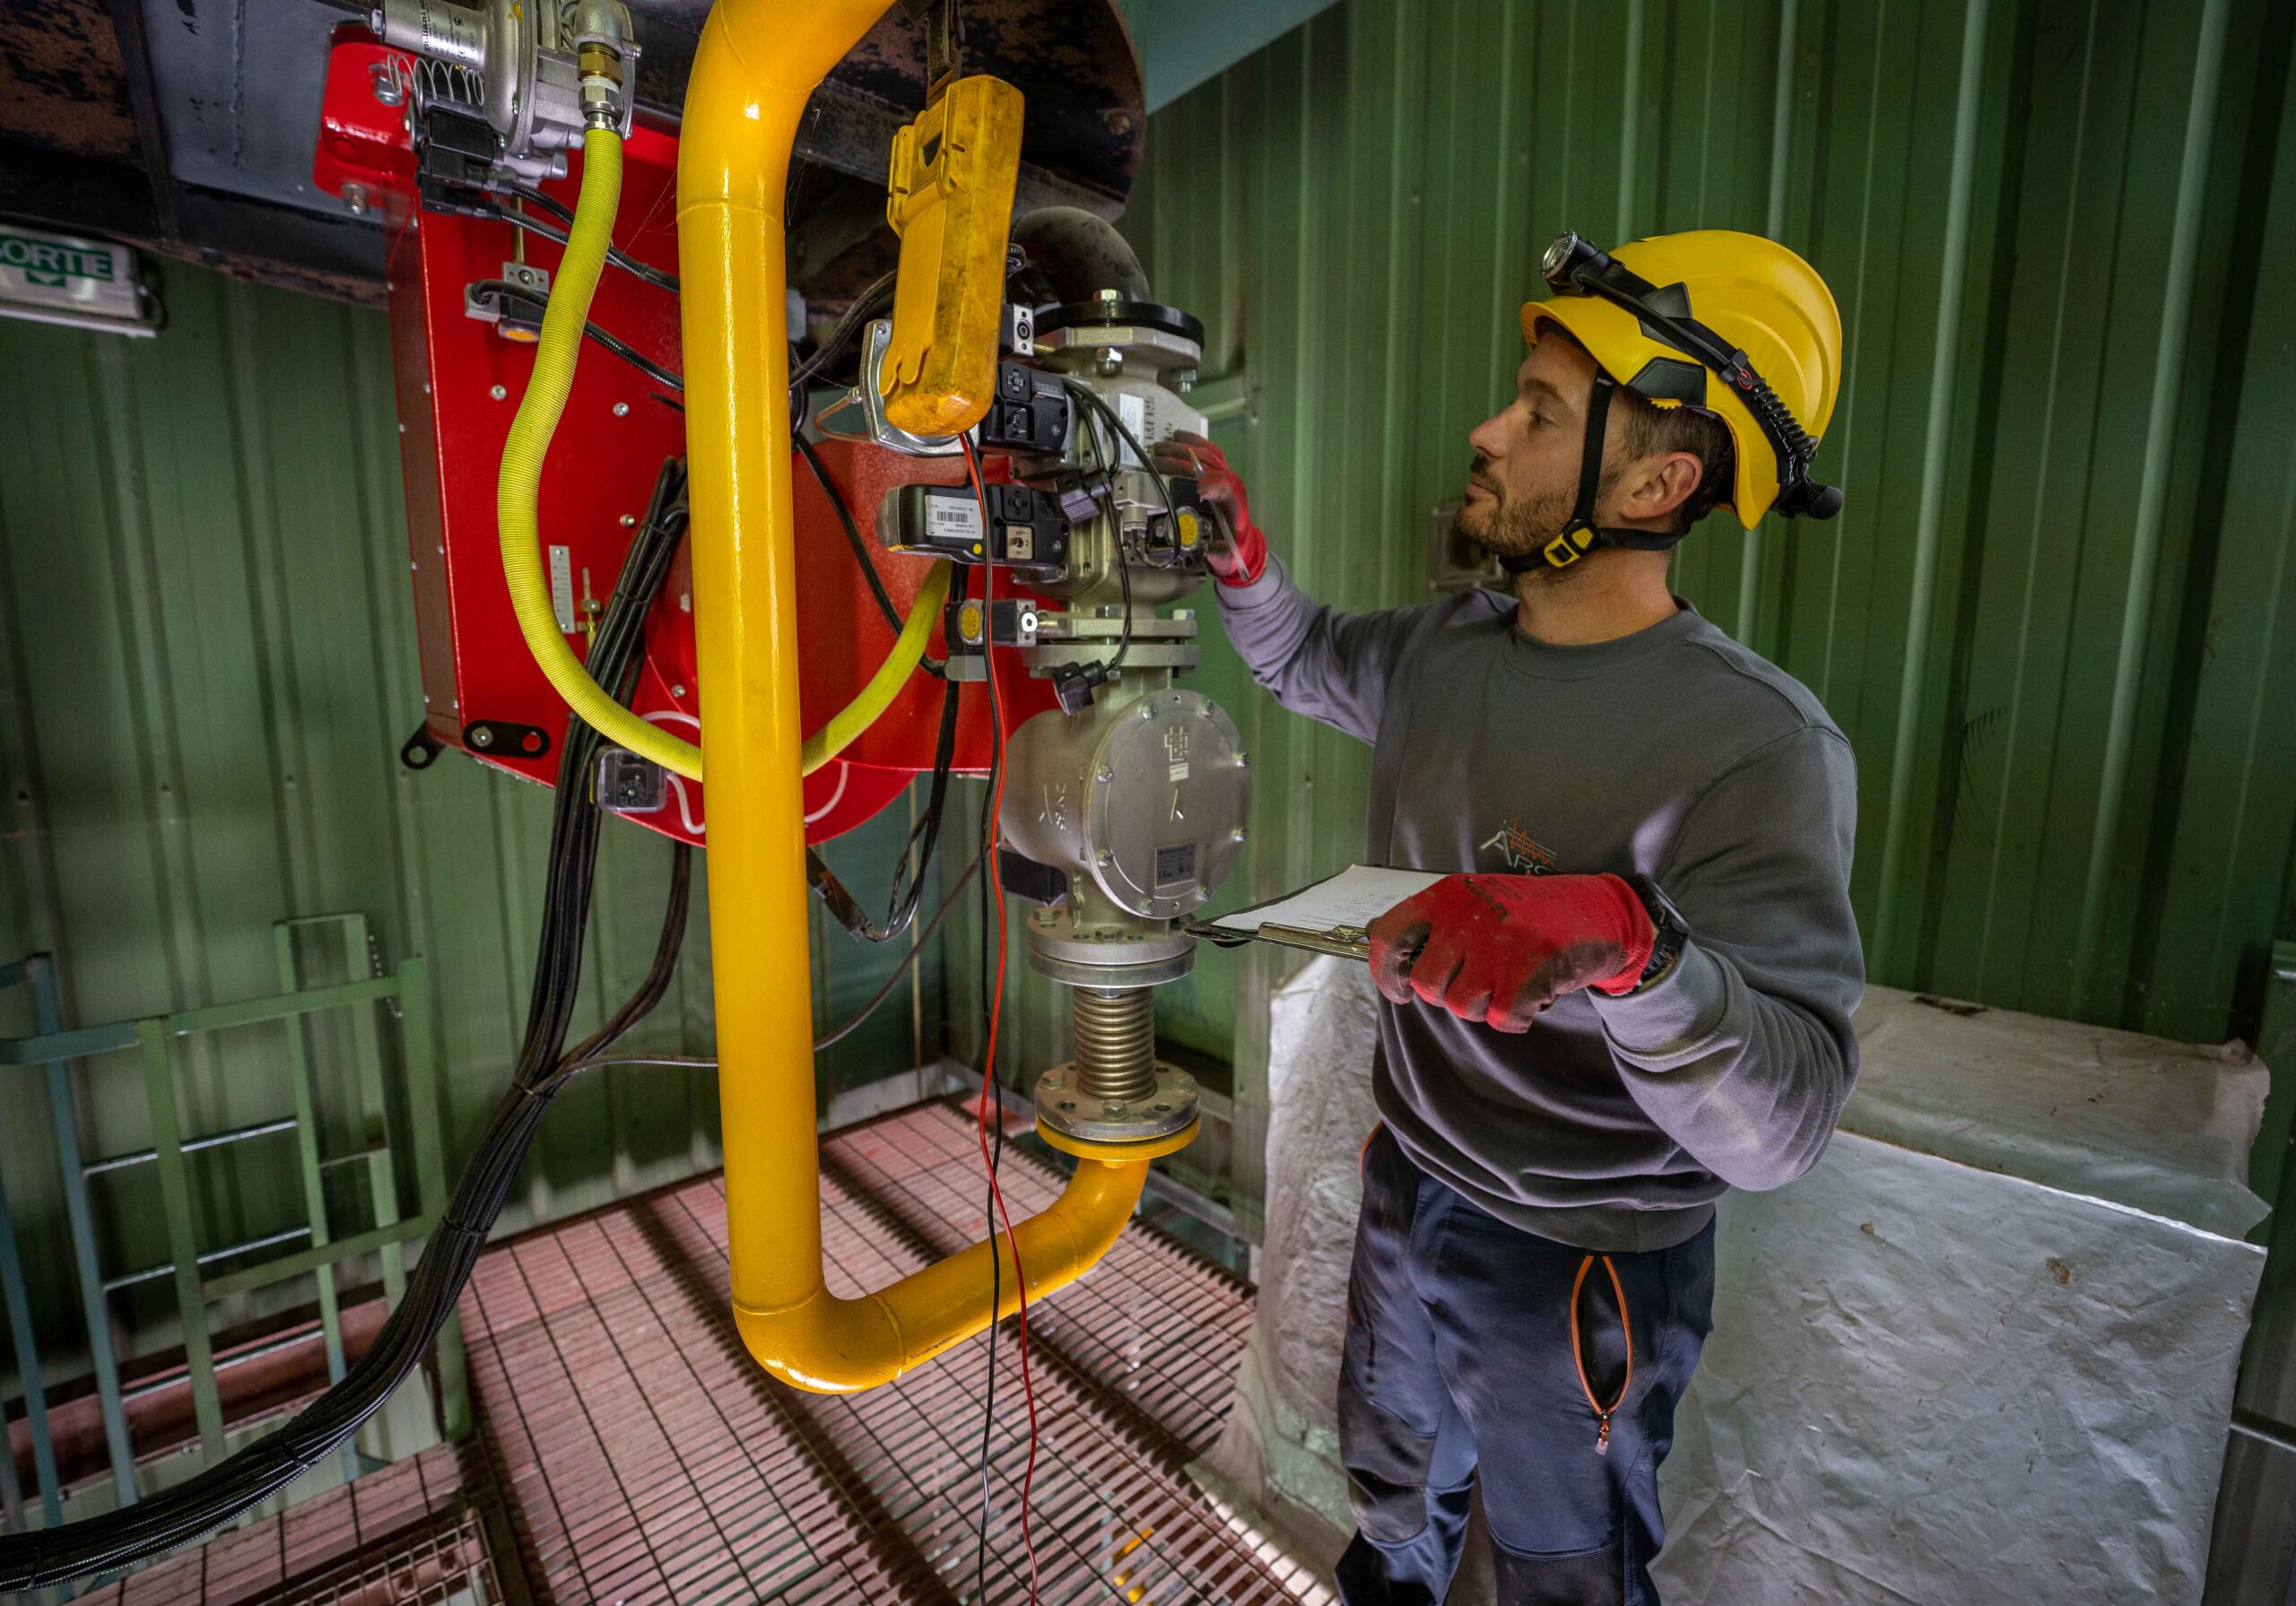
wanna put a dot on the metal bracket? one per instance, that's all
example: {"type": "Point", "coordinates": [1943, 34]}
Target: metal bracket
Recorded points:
{"type": "Point", "coordinates": [944, 41]}
{"type": "Point", "coordinates": [859, 415]}
{"type": "Point", "coordinates": [421, 750]}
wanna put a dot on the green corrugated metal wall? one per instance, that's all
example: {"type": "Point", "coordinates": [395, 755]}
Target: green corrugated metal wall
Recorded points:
{"type": "Point", "coordinates": [2046, 619]}
{"type": "Point", "coordinates": [2049, 619]}
{"type": "Point", "coordinates": [208, 664]}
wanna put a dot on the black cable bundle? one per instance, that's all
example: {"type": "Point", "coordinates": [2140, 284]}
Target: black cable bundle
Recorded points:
{"type": "Point", "coordinates": [179, 1515]}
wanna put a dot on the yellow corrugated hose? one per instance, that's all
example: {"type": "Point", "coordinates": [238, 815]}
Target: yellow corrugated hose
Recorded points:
{"type": "Point", "coordinates": [519, 490]}
{"type": "Point", "coordinates": [878, 695]}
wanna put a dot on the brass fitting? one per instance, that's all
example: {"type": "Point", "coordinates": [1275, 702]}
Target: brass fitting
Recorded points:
{"type": "Point", "coordinates": [599, 67]}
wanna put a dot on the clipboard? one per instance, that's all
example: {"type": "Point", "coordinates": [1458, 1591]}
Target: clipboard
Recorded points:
{"type": "Point", "coordinates": [1331, 915]}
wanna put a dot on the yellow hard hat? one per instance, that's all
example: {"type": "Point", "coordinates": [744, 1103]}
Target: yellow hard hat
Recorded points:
{"type": "Point", "coordinates": [1732, 322]}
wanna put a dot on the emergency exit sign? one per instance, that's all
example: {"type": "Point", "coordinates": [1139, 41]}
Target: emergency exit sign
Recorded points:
{"type": "Point", "coordinates": [86, 283]}
{"type": "Point", "coordinates": [54, 263]}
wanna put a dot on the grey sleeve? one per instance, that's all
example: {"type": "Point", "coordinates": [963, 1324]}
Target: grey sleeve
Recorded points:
{"type": "Point", "coordinates": [1744, 1054]}
{"type": "Point", "coordinates": [1318, 660]}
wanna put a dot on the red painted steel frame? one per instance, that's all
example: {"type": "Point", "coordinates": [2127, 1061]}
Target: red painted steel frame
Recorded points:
{"type": "Point", "coordinates": [458, 384]}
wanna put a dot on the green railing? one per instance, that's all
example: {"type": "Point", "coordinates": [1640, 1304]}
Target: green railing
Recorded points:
{"type": "Point", "coordinates": [406, 991]}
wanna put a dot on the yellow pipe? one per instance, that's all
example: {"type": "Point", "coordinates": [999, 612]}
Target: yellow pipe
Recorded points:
{"type": "Point", "coordinates": [758, 62]}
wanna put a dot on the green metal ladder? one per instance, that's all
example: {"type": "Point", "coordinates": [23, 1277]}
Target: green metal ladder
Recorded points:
{"type": "Point", "coordinates": [406, 990]}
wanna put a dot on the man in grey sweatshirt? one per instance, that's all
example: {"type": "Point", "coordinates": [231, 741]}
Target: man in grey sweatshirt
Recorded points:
{"type": "Point", "coordinates": [1574, 1065]}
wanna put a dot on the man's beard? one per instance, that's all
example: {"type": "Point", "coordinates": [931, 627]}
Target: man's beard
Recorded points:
{"type": "Point", "coordinates": [1509, 528]}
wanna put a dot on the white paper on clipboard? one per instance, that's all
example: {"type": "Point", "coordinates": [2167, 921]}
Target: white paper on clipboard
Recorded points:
{"type": "Point", "coordinates": [1352, 899]}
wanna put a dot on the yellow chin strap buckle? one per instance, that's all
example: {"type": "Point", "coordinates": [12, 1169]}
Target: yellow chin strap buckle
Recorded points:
{"type": "Point", "coordinates": [1562, 552]}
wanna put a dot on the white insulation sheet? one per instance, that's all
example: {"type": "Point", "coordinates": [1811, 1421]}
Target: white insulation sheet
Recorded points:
{"type": "Point", "coordinates": [1983, 1353]}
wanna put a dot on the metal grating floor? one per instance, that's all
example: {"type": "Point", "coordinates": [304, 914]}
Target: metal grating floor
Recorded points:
{"type": "Point", "coordinates": [630, 1451]}
{"type": "Point", "coordinates": [406, 1534]}
{"type": "Point", "coordinates": [641, 1457]}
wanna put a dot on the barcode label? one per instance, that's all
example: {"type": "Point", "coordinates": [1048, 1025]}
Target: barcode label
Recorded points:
{"type": "Point", "coordinates": [952, 519]}
{"type": "Point", "coordinates": [1133, 411]}
{"type": "Point", "coordinates": [562, 587]}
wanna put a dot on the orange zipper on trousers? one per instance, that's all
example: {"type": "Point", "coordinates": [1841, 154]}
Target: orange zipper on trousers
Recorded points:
{"type": "Point", "coordinates": [1602, 1414]}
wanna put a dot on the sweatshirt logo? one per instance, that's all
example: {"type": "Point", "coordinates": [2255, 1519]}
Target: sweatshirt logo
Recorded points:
{"type": "Point", "coordinates": [1520, 850]}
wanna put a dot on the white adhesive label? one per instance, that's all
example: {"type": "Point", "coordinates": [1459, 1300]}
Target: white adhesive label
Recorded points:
{"type": "Point", "coordinates": [562, 587]}
{"type": "Point", "coordinates": [1133, 411]}
{"type": "Point", "coordinates": [952, 519]}
{"type": "Point", "coordinates": [1178, 771]}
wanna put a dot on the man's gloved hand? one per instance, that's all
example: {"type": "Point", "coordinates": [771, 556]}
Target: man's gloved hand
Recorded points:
{"type": "Point", "coordinates": [1241, 559]}
{"type": "Point", "coordinates": [1498, 948]}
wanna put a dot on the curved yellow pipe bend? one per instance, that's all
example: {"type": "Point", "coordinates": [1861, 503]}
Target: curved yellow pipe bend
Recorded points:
{"type": "Point", "coordinates": [837, 1346]}
{"type": "Point", "coordinates": [757, 63]}
{"type": "Point", "coordinates": [518, 491]}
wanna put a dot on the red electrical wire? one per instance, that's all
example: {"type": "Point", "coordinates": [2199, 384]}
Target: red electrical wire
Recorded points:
{"type": "Point", "coordinates": [995, 1009]}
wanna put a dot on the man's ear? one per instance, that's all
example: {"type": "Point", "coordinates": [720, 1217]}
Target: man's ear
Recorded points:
{"type": "Point", "coordinates": [1660, 485]}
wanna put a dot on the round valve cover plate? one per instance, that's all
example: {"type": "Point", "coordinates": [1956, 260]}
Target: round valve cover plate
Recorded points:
{"type": "Point", "coordinates": [1167, 794]}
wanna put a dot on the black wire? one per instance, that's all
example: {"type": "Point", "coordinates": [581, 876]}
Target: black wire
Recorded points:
{"type": "Point", "coordinates": [799, 374]}
{"type": "Point", "coordinates": [133, 1534]}
{"type": "Point", "coordinates": [1109, 464]}
{"type": "Point", "coordinates": [927, 834]}
{"type": "Point", "coordinates": [656, 982]}
{"type": "Point", "coordinates": [909, 870]}
{"type": "Point", "coordinates": [868, 566]}
{"type": "Point", "coordinates": [595, 1060]}
{"type": "Point", "coordinates": [636, 358]}
{"type": "Point", "coordinates": [614, 254]}
{"type": "Point", "coordinates": [535, 197]}
{"type": "Point", "coordinates": [865, 305]}
{"type": "Point", "coordinates": [991, 890]}
{"type": "Point", "coordinates": [835, 1034]}
{"type": "Point", "coordinates": [825, 880]}
{"type": "Point", "coordinates": [838, 1034]}
{"type": "Point", "coordinates": [503, 291]}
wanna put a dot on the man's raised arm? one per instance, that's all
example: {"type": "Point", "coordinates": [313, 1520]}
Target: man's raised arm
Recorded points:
{"type": "Point", "coordinates": [1318, 660]}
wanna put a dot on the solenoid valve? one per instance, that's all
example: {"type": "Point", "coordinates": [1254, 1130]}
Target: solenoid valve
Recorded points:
{"type": "Point", "coordinates": [541, 73]}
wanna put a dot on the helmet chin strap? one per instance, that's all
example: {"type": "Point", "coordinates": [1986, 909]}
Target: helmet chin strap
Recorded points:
{"type": "Point", "coordinates": [1581, 535]}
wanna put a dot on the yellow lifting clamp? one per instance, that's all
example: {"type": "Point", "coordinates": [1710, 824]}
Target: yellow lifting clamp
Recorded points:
{"type": "Point", "coordinates": [951, 202]}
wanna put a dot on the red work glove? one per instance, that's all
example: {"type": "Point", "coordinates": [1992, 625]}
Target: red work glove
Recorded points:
{"type": "Point", "coordinates": [1242, 558]}
{"type": "Point", "coordinates": [1498, 948]}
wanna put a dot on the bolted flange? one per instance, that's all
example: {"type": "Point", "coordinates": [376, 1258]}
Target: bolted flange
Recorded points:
{"type": "Point", "coordinates": [1167, 1107]}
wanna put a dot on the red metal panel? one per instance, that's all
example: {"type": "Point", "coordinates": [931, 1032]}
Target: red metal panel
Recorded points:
{"type": "Point", "coordinates": [459, 381]}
